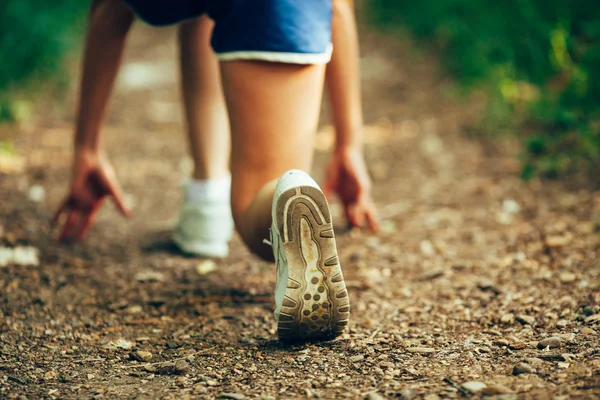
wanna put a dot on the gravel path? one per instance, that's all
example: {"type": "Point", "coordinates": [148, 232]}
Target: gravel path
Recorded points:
{"type": "Point", "coordinates": [479, 285]}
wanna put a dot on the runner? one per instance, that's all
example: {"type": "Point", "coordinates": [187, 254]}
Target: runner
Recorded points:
{"type": "Point", "coordinates": [272, 57]}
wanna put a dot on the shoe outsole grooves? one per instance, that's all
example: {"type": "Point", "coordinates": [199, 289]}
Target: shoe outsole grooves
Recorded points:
{"type": "Point", "coordinates": [316, 303]}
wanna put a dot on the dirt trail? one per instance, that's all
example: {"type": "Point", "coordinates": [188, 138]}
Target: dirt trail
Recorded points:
{"type": "Point", "coordinates": [474, 271]}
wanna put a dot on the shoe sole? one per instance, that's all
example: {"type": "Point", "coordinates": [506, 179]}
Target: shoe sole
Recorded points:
{"type": "Point", "coordinates": [316, 303]}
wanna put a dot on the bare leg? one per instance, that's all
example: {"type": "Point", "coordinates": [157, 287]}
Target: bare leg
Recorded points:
{"type": "Point", "coordinates": [109, 24]}
{"type": "Point", "coordinates": [273, 111]}
{"type": "Point", "coordinates": [205, 110]}
{"type": "Point", "coordinates": [343, 75]}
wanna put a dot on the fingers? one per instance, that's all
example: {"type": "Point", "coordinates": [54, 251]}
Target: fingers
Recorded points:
{"type": "Point", "coordinates": [60, 210]}
{"type": "Point", "coordinates": [117, 195]}
{"type": "Point", "coordinates": [372, 219]}
{"type": "Point", "coordinates": [363, 214]}
{"type": "Point", "coordinates": [88, 220]}
{"type": "Point", "coordinates": [70, 224]}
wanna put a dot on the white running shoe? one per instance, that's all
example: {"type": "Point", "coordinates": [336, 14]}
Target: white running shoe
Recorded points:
{"type": "Point", "coordinates": [310, 296]}
{"type": "Point", "coordinates": [204, 228]}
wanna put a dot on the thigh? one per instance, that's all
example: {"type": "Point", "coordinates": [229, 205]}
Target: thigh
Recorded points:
{"type": "Point", "coordinates": [273, 110]}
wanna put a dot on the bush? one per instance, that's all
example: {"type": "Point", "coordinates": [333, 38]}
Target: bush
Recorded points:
{"type": "Point", "coordinates": [539, 59]}
{"type": "Point", "coordinates": [35, 37]}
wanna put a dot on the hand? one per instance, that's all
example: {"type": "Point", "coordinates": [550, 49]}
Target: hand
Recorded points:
{"type": "Point", "coordinates": [346, 174]}
{"type": "Point", "coordinates": [93, 180]}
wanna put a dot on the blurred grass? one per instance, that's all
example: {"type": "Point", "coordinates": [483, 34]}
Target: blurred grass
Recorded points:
{"type": "Point", "coordinates": [539, 62]}
{"type": "Point", "coordinates": [35, 38]}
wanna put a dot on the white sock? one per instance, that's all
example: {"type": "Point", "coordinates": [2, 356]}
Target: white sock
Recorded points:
{"type": "Point", "coordinates": [209, 189]}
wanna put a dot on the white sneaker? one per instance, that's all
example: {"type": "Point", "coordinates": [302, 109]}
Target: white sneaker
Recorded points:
{"type": "Point", "coordinates": [310, 296]}
{"type": "Point", "coordinates": [204, 228]}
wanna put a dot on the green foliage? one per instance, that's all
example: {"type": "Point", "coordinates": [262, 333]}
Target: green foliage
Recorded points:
{"type": "Point", "coordinates": [539, 59]}
{"type": "Point", "coordinates": [35, 37]}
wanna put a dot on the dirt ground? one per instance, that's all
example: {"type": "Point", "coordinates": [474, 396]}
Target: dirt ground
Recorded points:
{"type": "Point", "coordinates": [479, 285]}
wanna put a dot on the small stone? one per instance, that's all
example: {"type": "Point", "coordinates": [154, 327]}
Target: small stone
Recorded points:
{"type": "Point", "coordinates": [427, 248]}
{"type": "Point", "coordinates": [357, 358]}
{"type": "Point", "coordinates": [567, 277]}
{"type": "Point", "coordinates": [474, 386]}
{"type": "Point", "coordinates": [50, 375]}
{"type": "Point", "coordinates": [522, 368]}
{"type": "Point", "coordinates": [526, 319]}
{"type": "Point", "coordinates": [558, 240]}
{"type": "Point", "coordinates": [206, 267]}
{"type": "Point", "coordinates": [534, 361]}
{"type": "Point", "coordinates": [562, 323]}
{"type": "Point", "coordinates": [120, 344]}
{"type": "Point", "coordinates": [408, 394]}
{"type": "Point", "coordinates": [502, 342]}
{"type": "Point", "coordinates": [510, 206]}
{"type": "Point", "coordinates": [200, 389]}
{"type": "Point", "coordinates": [136, 309]}
{"type": "Point", "coordinates": [374, 396]}
{"type": "Point", "coordinates": [233, 396]}
{"type": "Point", "coordinates": [431, 275]}
{"type": "Point", "coordinates": [507, 318]}
{"type": "Point", "coordinates": [149, 276]}
{"type": "Point", "coordinates": [517, 346]}
{"type": "Point", "coordinates": [495, 389]}
{"type": "Point", "coordinates": [179, 368]}
{"type": "Point", "coordinates": [431, 396]}
{"type": "Point", "coordinates": [551, 342]}
{"type": "Point", "coordinates": [211, 382]}
{"type": "Point", "coordinates": [421, 350]}
{"type": "Point", "coordinates": [587, 331]}
{"type": "Point", "coordinates": [143, 355]}
{"type": "Point", "coordinates": [36, 193]}
{"type": "Point", "coordinates": [592, 319]}
{"type": "Point", "coordinates": [150, 368]}
{"type": "Point", "coordinates": [587, 311]}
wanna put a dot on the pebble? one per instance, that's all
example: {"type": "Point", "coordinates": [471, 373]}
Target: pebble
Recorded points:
{"type": "Point", "coordinates": [121, 344]}
{"type": "Point", "coordinates": [587, 331]}
{"type": "Point", "coordinates": [551, 342]}
{"type": "Point", "coordinates": [149, 276]}
{"type": "Point", "coordinates": [50, 375]}
{"type": "Point", "coordinates": [144, 355]}
{"type": "Point", "coordinates": [20, 255]}
{"type": "Point", "coordinates": [474, 386]}
{"type": "Point", "coordinates": [149, 368]}
{"type": "Point", "coordinates": [522, 368]}
{"type": "Point", "coordinates": [507, 318]}
{"type": "Point", "coordinates": [233, 396]}
{"type": "Point", "coordinates": [526, 320]}
{"type": "Point", "coordinates": [432, 396]}
{"type": "Point", "coordinates": [427, 248]}
{"type": "Point", "coordinates": [495, 389]}
{"type": "Point", "coordinates": [374, 396]}
{"type": "Point", "coordinates": [357, 358]}
{"type": "Point", "coordinates": [510, 206]}
{"type": "Point", "coordinates": [421, 350]}
{"type": "Point", "coordinates": [408, 394]}
{"type": "Point", "coordinates": [501, 342]}
{"type": "Point", "coordinates": [558, 240]}
{"type": "Point", "coordinates": [562, 323]}
{"type": "Point", "coordinates": [206, 267]}
{"type": "Point", "coordinates": [587, 311]}
{"type": "Point", "coordinates": [567, 277]}
{"type": "Point", "coordinates": [179, 368]}
{"type": "Point", "coordinates": [36, 193]}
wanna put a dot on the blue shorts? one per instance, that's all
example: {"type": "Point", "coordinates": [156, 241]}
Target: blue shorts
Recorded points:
{"type": "Point", "coordinates": [288, 31]}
